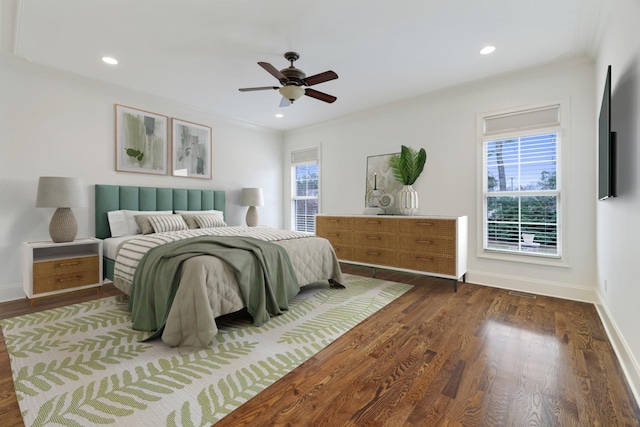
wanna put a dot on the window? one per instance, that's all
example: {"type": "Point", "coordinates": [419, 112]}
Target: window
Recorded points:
{"type": "Point", "coordinates": [304, 191]}
{"type": "Point", "coordinates": [521, 192]}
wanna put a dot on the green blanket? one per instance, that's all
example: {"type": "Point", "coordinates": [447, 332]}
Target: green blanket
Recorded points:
{"type": "Point", "coordinates": [263, 270]}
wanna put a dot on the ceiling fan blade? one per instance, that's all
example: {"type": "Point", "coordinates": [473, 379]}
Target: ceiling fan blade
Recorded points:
{"type": "Point", "coordinates": [284, 102]}
{"type": "Point", "coordinates": [273, 71]}
{"type": "Point", "coordinates": [320, 78]}
{"type": "Point", "coordinates": [249, 89]}
{"type": "Point", "coordinates": [319, 95]}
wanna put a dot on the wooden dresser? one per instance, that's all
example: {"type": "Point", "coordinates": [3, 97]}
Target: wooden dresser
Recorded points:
{"type": "Point", "coordinates": [430, 245]}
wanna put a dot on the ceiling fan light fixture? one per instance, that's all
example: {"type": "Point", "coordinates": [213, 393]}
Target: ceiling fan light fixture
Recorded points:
{"type": "Point", "coordinates": [292, 92]}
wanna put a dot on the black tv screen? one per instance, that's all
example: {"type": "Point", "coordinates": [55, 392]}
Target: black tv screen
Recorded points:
{"type": "Point", "coordinates": [606, 145]}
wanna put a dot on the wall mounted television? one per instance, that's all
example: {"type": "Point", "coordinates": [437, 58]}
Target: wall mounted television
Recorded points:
{"type": "Point", "coordinates": [606, 146]}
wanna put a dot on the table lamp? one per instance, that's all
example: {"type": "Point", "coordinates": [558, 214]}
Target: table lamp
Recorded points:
{"type": "Point", "coordinates": [61, 193]}
{"type": "Point", "coordinates": [252, 197]}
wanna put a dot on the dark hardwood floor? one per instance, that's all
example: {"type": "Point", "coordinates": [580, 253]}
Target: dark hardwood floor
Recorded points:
{"type": "Point", "coordinates": [478, 357]}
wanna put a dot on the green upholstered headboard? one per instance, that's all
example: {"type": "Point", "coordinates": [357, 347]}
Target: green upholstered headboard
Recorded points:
{"type": "Point", "coordinates": [115, 197]}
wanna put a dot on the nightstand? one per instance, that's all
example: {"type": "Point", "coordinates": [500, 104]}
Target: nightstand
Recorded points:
{"type": "Point", "coordinates": [54, 268]}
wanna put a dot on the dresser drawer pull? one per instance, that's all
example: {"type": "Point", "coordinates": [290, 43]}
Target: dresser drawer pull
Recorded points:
{"type": "Point", "coordinates": [428, 224]}
{"type": "Point", "coordinates": [373, 237]}
{"type": "Point", "coordinates": [66, 264]}
{"type": "Point", "coordinates": [428, 242]}
{"type": "Point", "coordinates": [333, 234]}
{"type": "Point", "coordinates": [424, 259]}
{"type": "Point", "coordinates": [373, 222]}
{"type": "Point", "coordinates": [66, 279]}
{"type": "Point", "coordinates": [373, 253]}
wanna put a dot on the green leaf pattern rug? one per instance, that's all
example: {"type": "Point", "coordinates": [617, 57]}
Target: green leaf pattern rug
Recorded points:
{"type": "Point", "coordinates": [83, 365]}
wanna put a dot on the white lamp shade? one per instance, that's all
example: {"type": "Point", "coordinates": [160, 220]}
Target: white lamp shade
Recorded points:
{"type": "Point", "coordinates": [61, 192]}
{"type": "Point", "coordinates": [292, 92]}
{"type": "Point", "coordinates": [252, 197]}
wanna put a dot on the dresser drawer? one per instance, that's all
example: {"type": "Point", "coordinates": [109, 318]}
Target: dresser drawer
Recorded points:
{"type": "Point", "coordinates": [427, 245]}
{"type": "Point", "coordinates": [337, 237]}
{"type": "Point", "coordinates": [332, 223]}
{"type": "Point", "coordinates": [375, 240]}
{"type": "Point", "coordinates": [428, 227]}
{"type": "Point", "coordinates": [382, 224]}
{"type": "Point", "coordinates": [64, 266]}
{"type": "Point", "coordinates": [65, 281]}
{"type": "Point", "coordinates": [375, 256]}
{"type": "Point", "coordinates": [429, 263]}
{"type": "Point", "coordinates": [343, 252]}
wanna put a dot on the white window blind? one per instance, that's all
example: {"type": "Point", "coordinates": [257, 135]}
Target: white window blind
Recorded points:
{"type": "Point", "coordinates": [523, 120]}
{"type": "Point", "coordinates": [521, 194]}
{"type": "Point", "coordinates": [304, 189]}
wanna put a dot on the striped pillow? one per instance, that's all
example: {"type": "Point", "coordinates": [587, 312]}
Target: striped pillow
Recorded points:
{"type": "Point", "coordinates": [209, 221]}
{"type": "Point", "coordinates": [163, 223]}
{"type": "Point", "coordinates": [190, 216]}
{"type": "Point", "coordinates": [143, 223]}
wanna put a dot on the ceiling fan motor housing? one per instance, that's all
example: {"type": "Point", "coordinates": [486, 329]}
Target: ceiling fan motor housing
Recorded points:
{"type": "Point", "coordinates": [294, 81]}
{"type": "Point", "coordinates": [293, 75]}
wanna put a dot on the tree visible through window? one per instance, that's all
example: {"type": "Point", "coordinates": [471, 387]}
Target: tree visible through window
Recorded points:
{"type": "Point", "coordinates": [305, 197]}
{"type": "Point", "coordinates": [521, 196]}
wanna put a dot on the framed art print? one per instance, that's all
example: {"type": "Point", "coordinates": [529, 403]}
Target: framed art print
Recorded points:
{"type": "Point", "coordinates": [191, 149]}
{"type": "Point", "coordinates": [141, 141]}
{"type": "Point", "coordinates": [381, 185]}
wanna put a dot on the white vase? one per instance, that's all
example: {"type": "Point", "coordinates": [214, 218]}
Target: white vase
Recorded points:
{"type": "Point", "coordinates": [407, 200]}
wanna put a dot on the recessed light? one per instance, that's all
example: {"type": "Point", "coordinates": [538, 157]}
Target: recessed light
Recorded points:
{"type": "Point", "coordinates": [487, 50]}
{"type": "Point", "coordinates": [109, 60]}
{"type": "Point", "coordinates": [279, 115]}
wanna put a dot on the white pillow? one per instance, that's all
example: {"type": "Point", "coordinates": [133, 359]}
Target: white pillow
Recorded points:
{"type": "Point", "coordinates": [163, 223]}
{"type": "Point", "coordinates": [118, 224]}
{"type": "Point", "coordinates": [220, 213]}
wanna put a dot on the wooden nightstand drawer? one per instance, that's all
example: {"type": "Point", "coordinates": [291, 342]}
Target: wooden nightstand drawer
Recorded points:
{"type": "Point", "coordinates": [54, 268]}
{"type": "Point", "coordinates": [65, 266]}
{"type": "Point", "coordinates": [65, 281]}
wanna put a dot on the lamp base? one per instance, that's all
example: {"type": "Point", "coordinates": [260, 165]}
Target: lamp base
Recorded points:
{"type": "Point", "coordinates": [63, 226]}
{"type": "Point", "coordinates": [252, 216]}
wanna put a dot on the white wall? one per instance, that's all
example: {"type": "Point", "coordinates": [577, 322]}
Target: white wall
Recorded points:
{"type": "Point", "coordinates": [444, 123]}
{"type": "Point", "coordinates": [618, 219]}
{"type": "Point", "coordinates": [57, 124]}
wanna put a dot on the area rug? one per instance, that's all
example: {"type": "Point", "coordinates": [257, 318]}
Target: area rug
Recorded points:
{"type": "Point", "coordinates": [83, 364]}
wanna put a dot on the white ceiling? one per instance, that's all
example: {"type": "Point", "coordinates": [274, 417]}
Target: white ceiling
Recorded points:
{"type": "Point", "coordinates": [199, 52]}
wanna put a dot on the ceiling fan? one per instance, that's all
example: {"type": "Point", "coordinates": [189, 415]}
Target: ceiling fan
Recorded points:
{"type": "Point", "coordinates": [293, 79]}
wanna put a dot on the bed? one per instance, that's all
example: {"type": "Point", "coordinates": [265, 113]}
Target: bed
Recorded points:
{"type": "Point", "coordinates": [207, 285]}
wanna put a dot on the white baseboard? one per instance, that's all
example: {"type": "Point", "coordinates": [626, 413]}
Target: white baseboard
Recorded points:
{"type": "Point", "coordinates": [11, 293]}
{"type": "Point", "coordinates": [538, 287]}
{"type": "Point", "coordinates": [629, 364]}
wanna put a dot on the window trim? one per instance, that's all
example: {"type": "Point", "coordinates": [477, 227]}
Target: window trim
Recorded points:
{"type": "Point", "coordinates": [562, 153]}
{"type": "Point", "coordinates": [289, 173]}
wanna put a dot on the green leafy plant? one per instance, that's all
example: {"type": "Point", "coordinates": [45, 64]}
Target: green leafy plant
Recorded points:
{"type": "Point", "coordinates": [408, 165]}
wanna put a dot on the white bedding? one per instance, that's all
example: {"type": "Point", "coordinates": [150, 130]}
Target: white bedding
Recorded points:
{"type": "Point", "coordinates": [208, 287]}
{"type": "Point", "coordinates": [110, 245]}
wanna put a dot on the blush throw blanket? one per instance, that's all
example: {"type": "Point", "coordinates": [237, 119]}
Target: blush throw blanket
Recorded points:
{"type": "Point", "coordinates": [263, 271]}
